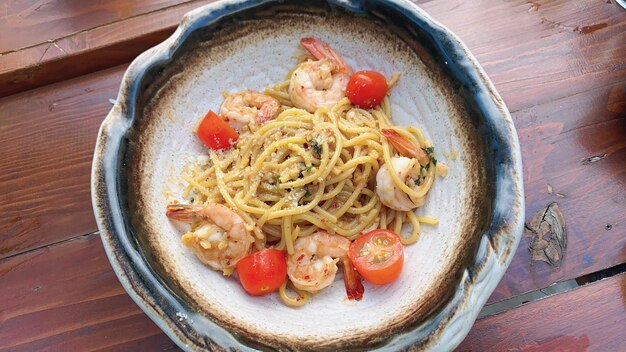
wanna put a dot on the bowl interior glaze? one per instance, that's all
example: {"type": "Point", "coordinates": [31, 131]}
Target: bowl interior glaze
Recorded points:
{"type": "Point", "coordinates": [251, 45]}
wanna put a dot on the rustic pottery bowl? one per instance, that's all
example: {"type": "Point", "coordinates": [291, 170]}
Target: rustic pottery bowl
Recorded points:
{"type": "Point", "coordinates": [146, 140]}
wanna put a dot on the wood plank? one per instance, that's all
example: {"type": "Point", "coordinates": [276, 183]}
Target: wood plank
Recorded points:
{"type": "Point", "coordinates": [590, 318]}
{"type": "Point", "coordinates": [44, 179]}
{"type": "Point", "coordinates": [583, 42]}
{"type": "Point", "coordinates": [66, 298]}
{"type": "Point", "coordinates": [563, 77]}
{"type": "Point", "coordinates": [539, 51]}
{"type": "Point", "coordinates": [48, 140]}
{"type": "Point", "coordinates": [26, 22]}
{"type": "Point", "coordinates": [555, 138]}
{"type": "Point", "coordinates": [90, 50]}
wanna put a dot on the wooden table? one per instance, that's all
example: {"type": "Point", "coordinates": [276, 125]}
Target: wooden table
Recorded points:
{"type": "Point", "coordinates": [560, 66]}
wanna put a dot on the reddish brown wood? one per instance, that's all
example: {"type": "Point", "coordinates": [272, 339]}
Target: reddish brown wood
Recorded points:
{"type": "Point", "coordinates": [48, 137]}
{"type": "Point", "coordinates": [559, 65]}
{"type": "Point", "coordinates": [590, 318]}
{"type": "Point", "coordinates": [57, 166]}
{"type": "Point", "coordinates": [26, 22]}
{"type": "Point", "coordinates": [561, 69]}
{"type": "Point", "coordinates": [540, 51]}
{"type": "Point", "coordinates": [556, 137]}
{"type": "Point", "coordinates": [66, 297]}
{"type": "Point", "coordinates": [576, 44]}
{"type": "Point", "coordinates": [91, 49]}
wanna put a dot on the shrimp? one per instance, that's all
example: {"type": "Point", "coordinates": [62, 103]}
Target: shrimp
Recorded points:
{"type": "Point", "coordinates": [221, 242]}
{"type": "Point", "coordinates": [405, 147]}
{"type": "Point", "coordinates": [391, 195]}
{"type": "Point", "coordinates": [242, 107]}
{"type": "Point", "coordinates": [313, 264]}
{"type": "Point", "coordinates": [321, 83]}
{"type": "Point", "coordinates": [408, 168]}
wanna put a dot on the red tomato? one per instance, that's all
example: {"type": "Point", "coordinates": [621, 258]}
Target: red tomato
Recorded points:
{"type": "Point", "coordinates": [378, 256]}
{"type": "Point", "coordinates": [367, 89]}
{"type": "Point", "coordinates": [262, 272]}
{"type": "Point", "coordinates": [216, 133]}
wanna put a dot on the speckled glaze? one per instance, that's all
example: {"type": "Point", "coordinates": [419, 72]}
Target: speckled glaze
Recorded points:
{"type": "Point", "coordinates": [146, 141]}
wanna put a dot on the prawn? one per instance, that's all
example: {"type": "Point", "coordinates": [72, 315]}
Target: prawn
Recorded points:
{"type": "Point", "coordinates": [321, 83]}
{"type": "Point", "coordinates": [313, 264]}
{"type": "Point", "coordinates": [240, 108]}
{"type": "Point", "coordinates": [391, 195]}
{"type": "Point", "coordinates": [220, 242]}
{"type": "Point", "coordinates": [408, 168]}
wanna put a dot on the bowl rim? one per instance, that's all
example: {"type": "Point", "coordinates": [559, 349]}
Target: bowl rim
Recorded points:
{"type": "Point", "coordinates": [443, 331]}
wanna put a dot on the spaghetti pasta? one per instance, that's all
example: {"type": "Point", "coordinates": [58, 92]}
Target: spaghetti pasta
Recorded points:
{"type": "Point", "coordinates": [303, 172]}
{"type": "Point", "coordinates": [311, 171]}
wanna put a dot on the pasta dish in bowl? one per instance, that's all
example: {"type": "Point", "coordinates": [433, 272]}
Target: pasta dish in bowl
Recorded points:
{"type": "Point", "coordinates": [312, 177]}
{"type": "Point", "coordinates": [305, 169]}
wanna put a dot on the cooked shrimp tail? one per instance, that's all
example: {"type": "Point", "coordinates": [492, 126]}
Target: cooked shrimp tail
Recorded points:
{"type": "Point", "coordinates": [405, 147]}
{"type": "Point", "coordinates": [220, 240]}
{"type": "Point", "coordinates": [407, 169]}
{"type": "Point", "coordinates": [313, 264]}
{"type": "Point", "coordinates": [183, 212]}
{"type": "Point", "coordinates": [267, 111]}
{"type": "Point", "coordinates": [243, 107]}
{"type": "Point", "coordinates": [352, 280]}
{"type": "Point", "coordinates": [321, 83]}
{"type": "Point", "coordinates": [320, 50]}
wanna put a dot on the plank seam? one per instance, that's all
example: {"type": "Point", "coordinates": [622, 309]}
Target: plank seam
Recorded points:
{"type": "Point", "coordinates": [51, 244]}
{"type": "Point", "coordinates": [54, 41]}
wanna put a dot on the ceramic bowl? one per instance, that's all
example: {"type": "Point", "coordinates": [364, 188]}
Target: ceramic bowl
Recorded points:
{"type": "Point", "coordinates": [146, 141]}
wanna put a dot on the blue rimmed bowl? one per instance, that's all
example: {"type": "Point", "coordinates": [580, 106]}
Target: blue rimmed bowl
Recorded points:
{"type": "Point", "coordinates": [146, 141]}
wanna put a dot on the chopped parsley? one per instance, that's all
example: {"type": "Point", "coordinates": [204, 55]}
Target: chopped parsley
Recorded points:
{"type": "Point", "coordinates": [430, 151]}
{"type": "Point", "coordinates": [277, 179]}
{"type": "Point", "coordinates": [306, 169]}
{"type": "Point", "coordinates": [316, 146]}
{"type": "Point", "coordinates": [308, 193]}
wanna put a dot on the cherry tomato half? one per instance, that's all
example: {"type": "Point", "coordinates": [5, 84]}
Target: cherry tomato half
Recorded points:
{"type": "Point", "coordinates": [262, 272]}
{"type": "Point", "coordinates": [367, 89]}
{"type": "Point", "coordinates": [378, 256]}
{"type": "Point", "coordinates": [216, 133]}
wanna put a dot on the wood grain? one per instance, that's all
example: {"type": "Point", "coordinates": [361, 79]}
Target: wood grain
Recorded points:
{"type": "Point", "coordinates": [540, 51]}
{"type": "Point", "coordinates": [561, 69]}
{"type": "Point", "coordinates": [48, 134]}
{"type": "Point", "coordinates": [555, 138]}
{"type": "Point", "coordinates": [590, 318]}
{"type": "Point", "coordinates": [66, 298]}
{"type": "Point", "coordinates": [48, 137]}
{"type": "Point", "coordinates": [92, 49]}
{"type": "Point", "coordinates": [585, 39]}
{"type": "Point", "coordinates": [26, 22]}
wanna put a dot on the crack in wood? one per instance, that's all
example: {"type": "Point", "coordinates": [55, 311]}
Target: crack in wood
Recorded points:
{"type": "Point", "coordinates": [100, 26]}
{"type": "Point", "coordinates": [47, 245]}
{"type": "Point", "coordinates": [548, 237]}
{"type": "Point", "coordinates": [593, 159]}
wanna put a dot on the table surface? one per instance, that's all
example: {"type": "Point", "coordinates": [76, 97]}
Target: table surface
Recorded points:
{"type": "Point", "coordinates": [560, 66]}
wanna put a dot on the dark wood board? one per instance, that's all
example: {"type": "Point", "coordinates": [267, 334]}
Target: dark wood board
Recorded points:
{"type": "Point", "coordinates": [590, 318]}
{"type": "Point", "coordinates": [559, 65]}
